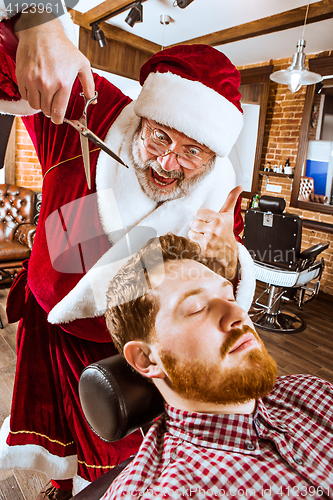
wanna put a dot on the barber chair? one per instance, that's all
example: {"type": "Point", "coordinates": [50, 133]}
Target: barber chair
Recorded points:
{"type": "Point", "coordinates": [116, 400]}
{"type": "Point", "coordinates": [273, 238]}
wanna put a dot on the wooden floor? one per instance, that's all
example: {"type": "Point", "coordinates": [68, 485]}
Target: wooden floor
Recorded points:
{"type": "Point", "coordinates": [310, 351]}
{"type": "Point", "coordinates": [14, 485]}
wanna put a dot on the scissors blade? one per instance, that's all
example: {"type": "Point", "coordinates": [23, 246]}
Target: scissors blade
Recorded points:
{"type": "Point", "coordinates": [84, 131]}
{"type": "Point", "coordinates": [96, 140]}
{"type": "Point", "coordinates": [85, 153]}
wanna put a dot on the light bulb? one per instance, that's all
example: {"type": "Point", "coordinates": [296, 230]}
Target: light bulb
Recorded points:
{"type": "Point", "coordinates": [294, 83]}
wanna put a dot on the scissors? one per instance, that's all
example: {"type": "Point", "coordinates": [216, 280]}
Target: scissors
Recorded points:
{"type": "Point", "coordinates": [87, 135]}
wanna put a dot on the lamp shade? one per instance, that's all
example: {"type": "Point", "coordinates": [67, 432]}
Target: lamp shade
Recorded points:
{"type": "Point", "coordinates": [297, 74]}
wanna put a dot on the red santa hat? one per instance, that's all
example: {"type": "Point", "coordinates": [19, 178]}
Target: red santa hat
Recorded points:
{"type": "Point", "coordinates": [193, 89]}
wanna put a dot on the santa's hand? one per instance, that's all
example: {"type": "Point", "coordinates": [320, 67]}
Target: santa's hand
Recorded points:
{"type": "Point", "coordinates": [214, 231]}
{"type": "Point", "coordinates": [47, 64]}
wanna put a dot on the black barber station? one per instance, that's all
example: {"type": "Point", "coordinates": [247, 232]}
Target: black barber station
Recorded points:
{"type": "Point", "coordinates": [116, 400]}
{"type": "Point", "coordinates": [273, 238]}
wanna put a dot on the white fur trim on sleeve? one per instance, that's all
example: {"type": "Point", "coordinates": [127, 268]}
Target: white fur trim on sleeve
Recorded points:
{"type": "Point", "coordinates": [65, 19]}
{"type": "Point", "coordinates": [22, 107]}
{"type": "Point", "coordinates": [68, 27]}
{"type": "Point", "coordinates": [192, 108]}
{"type": "Point", "coordinates": [19, 108]}
{"type": "Point", "coordinates": [4, 13]}
{"type": "Point", "coordinates": [247, 284]}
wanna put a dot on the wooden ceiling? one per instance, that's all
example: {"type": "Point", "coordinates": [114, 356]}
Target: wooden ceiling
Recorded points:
{"type": "Point", "coordinates": [127, 51]}
{"type": "Point", "coordinates": [318, 11]}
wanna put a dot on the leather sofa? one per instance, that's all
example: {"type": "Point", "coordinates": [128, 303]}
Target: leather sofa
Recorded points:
{"type": "Point", "coordinates": [17, 230]}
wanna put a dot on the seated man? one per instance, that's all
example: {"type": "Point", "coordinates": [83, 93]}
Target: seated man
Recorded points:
{"type": "Point", "coordinates": [231, 428]}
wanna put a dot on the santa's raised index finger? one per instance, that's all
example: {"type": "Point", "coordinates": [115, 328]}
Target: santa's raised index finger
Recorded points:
{"type": "Point", "coordinates": [230, 202]}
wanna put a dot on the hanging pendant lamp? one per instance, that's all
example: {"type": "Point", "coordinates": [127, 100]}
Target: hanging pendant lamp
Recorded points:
{"type": "Point", "coordinates": [297, 74]}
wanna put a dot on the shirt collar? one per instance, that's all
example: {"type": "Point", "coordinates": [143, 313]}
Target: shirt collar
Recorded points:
{"type": "Point", "coordinates": [234, 432]}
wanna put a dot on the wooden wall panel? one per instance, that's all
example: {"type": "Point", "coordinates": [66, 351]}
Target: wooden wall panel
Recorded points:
{"type": "Point", "coordinates": [116, 57]}
{"type": "Point", "coordinates": [9, 160]}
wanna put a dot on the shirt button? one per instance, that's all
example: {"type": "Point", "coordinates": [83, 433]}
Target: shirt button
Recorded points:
{"type": "Point", "coordinates": [250, 446]}
{"type": "Point", "coordinates": [298, 460]}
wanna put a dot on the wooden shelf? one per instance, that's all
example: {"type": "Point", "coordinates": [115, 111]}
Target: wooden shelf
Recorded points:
{"type": "Point", "coordinates": [275, 174]}
{"type": "Point", "coordinates": [320, 226]}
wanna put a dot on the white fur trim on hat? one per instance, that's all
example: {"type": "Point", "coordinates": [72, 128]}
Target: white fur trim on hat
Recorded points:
{"type": "Point", "coordinates": [191, 108]}
{"type": "Point", "coordinates": [247, 284]}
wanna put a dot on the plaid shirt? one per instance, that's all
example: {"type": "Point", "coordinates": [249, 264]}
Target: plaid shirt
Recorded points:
{"type": "Point", "coordinates": [283, 451]}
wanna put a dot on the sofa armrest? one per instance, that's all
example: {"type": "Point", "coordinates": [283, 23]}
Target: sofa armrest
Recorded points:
{"type": "Point", "coordinates": [25, 234]}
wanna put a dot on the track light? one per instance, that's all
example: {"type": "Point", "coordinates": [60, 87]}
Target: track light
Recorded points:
{"type": "Point", "coordinates": [98, 35]}
{"type": "Point", "coordinates": [182, 3]}
{"type": "Point", "coordinates": [135, 15]}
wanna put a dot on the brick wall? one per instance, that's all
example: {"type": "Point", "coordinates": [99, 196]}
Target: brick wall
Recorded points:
{"type": "Point", "coordinates": [284, 115]}
{"type": "Point", "coordinates": [282, 127]}
{"type": "Point", "coordinates": [27, 167]}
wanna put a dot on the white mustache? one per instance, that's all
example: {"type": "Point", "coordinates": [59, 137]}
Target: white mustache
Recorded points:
{"type": "Point", "coordinates": [174, 174]}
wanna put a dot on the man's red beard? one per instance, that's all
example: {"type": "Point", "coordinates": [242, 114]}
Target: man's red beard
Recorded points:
{"type": "Point", "coordinates": [213, 383]}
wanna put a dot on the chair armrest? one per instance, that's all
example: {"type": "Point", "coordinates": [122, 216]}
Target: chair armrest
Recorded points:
{"type": "Point", "coordinates": [25, 234]}
{"type": "Point", "coordinates": [312, 252]}
{"type": "Point", "coordinates": [96, 489]}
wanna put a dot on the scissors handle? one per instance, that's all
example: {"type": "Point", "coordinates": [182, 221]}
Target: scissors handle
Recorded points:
{"type": "Point", "coordinates": [87, 102]}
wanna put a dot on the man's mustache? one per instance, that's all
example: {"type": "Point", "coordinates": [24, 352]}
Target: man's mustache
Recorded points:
{"type": "Point", "coordinates": [233, 337]}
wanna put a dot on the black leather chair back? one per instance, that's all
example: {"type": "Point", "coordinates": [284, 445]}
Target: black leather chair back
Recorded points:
{"type": "Point", "coordinates": [116, 400]}
{"type": "Point", "coordinates": [272, 235]}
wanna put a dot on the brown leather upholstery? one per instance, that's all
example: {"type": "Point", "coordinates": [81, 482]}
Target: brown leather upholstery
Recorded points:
{"type": "Point", "coordinates": [17, 206]}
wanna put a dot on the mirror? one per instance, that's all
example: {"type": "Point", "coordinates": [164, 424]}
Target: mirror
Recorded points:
{"type": "Point", "coordinates": [246, 154]}
{"type": "Point", "coordinates": [313, 180]}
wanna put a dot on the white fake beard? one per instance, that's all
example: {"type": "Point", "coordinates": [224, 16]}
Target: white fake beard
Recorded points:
{"type": "Point", "coordinates": [183, 187]}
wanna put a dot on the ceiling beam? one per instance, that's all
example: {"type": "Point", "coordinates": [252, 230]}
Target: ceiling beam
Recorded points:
{"type": "Point", "coordinates": [117, 58]}
{"type": "Point", "coordinates": [318, 11]}
{"type": "Point", "coordinates": [105, 9]}
{"type": "Point", "coordinates": [117, 34]}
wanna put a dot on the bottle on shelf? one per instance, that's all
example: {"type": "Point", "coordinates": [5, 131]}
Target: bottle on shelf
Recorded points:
{"type": "Point", "coordinates": [255, 201]}
{"type": "Point", "coordinates": [287, 168]}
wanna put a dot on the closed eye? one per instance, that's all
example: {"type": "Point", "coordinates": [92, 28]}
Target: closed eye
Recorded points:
{"type": "Point", "coordinates": [197, 311]}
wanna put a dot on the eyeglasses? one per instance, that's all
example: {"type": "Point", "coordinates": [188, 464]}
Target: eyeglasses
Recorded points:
{"type": "Point", "coordinates": [157, 143]}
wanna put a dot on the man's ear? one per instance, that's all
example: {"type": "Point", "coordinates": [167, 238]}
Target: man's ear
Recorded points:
{"type": "Point", "coordinates": [138, 354]}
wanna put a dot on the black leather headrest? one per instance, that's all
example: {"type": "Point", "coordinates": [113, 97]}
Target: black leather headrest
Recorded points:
{"type": "Point", "coordinates": [116, 400]}
{"type": "Point", "coordinates": [272, 204]}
